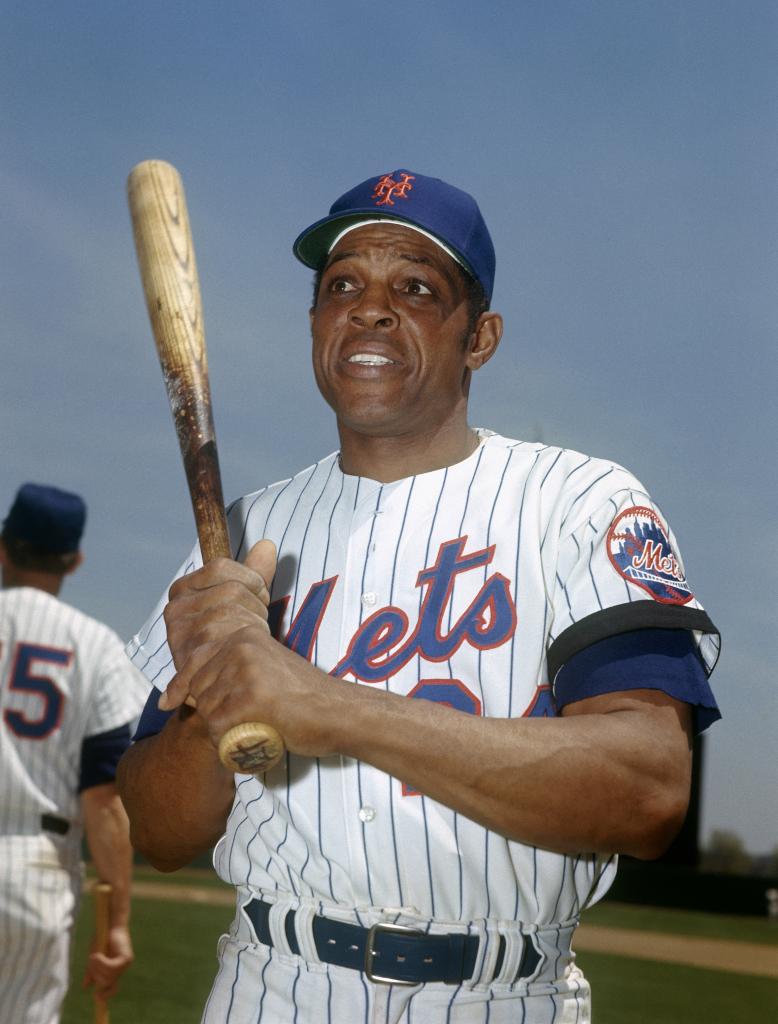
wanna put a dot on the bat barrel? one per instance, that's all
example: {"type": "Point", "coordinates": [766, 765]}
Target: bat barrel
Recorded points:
{"type": "Point", "coordinates": [168, 267]}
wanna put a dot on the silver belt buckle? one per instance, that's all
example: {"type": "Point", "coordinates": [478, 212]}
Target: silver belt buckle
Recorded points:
{"type": "Point", "coordinates": [370, 952]}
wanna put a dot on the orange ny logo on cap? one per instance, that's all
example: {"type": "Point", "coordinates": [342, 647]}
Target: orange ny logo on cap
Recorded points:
{"type": "Point", "coordinates": [387, 187]}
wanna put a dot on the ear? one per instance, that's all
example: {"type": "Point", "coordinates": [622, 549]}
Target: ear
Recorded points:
{"type": "Point", "coordinates": [484, 340]}
{"type": "Point", "coordinates": [78, 562]}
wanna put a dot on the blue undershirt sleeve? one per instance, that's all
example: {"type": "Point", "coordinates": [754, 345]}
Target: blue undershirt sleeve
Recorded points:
{"type": "Point", "coordinates": [152, 719]}
{"type": "Point", "coordinates": [100, 755]}
{"type": "Point", "coordinates": [645, 659]}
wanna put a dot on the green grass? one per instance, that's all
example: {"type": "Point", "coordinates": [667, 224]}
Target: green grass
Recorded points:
{"type": "Point", "coordinates": [684, 922]}
{"type": "Point", "coordinates": [626, 991]}
{"type": "Point", "coordinates": [175, 948]}
{"type": "Point", "coordinates": [205, 877]}
{"type": "Point", "coordinates": [175, 963]}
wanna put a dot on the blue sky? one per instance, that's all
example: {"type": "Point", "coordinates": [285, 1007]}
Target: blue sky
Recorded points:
{"type": "Point", "coordinates": [624, 156]}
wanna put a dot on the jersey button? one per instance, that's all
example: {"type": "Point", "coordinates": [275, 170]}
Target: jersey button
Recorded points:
{"type": "Point", "coordinates": [369, 599]}
{"type": "Point", "coordinates": [366, 813]}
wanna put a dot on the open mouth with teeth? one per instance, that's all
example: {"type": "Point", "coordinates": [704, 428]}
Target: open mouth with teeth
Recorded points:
{"type": "Point", "coordinates": [368, 359]}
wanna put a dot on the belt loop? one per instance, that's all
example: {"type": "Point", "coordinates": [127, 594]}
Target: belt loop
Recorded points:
{"type": "Point", "coordinates": [303, 929]}
{"type": "Point", "coordinates": [276, 918]}
{"type": "Point", "coordinates": [486, 958]}
{"type": "Point", "coordinates": [532, 959]}
{"type": "Point", "coordinates": [511, 961]}
{"type": "Point", "coordinates": [491, 953]}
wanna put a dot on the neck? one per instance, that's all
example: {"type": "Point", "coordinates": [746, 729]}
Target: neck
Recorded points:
{"type": "Point", "coordinates": [49, 582]}
{"type": "Point", "coordinates": [387, 459]}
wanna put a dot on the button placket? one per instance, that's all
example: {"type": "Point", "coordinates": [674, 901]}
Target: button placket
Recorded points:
{"type": "Point", "coordinates": [359, 530]}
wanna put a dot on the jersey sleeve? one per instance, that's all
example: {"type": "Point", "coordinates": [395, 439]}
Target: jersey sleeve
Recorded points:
{"type": "Point", "coordinates": [118, 693]}
{"type": "Point", "coordinates": [618, 571]}
{"type": "Point", "coordinates": [148, 649]}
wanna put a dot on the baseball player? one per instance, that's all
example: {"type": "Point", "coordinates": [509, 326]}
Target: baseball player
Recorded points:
{"type": "Point", "coordinates": [69, 696]}
{"type": "Point", "coordinates": [483, 654]}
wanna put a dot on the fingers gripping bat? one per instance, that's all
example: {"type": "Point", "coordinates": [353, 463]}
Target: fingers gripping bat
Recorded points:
{"type": "Point", "coordinates": [168, 271]}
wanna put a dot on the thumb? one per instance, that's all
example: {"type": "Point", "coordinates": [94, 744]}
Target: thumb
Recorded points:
{"type": "Point", "coordinates": [262, 559]}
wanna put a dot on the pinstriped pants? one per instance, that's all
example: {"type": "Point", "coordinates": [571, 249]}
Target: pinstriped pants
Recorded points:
{"type": "Point", "coordinates": [39, 890]}
{"type": "Point", "coordinates": [259, 985]}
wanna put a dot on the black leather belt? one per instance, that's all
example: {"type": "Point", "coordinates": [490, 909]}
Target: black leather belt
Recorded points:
{"type": "Point", "coordinates": [390, 953]}
{"type": "Point", "coordinates": [51, 823]}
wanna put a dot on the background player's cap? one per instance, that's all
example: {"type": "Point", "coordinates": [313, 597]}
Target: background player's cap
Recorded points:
{"type": "Point", "coordinates": [50, 519]}
{"type": "Point", "coordinates": [445, 212]}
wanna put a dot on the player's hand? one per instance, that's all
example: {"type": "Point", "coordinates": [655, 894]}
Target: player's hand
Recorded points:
{"type": "Point", "coordinates": [207, 606]}
{"type": "Point", "coordinates": [231, 665]}
{"type": "Point", "coordinates": [252, 677]}
{"type": "Point", "coordinates": [103, 970]}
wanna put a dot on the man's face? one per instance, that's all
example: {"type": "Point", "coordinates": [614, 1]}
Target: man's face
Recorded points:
{"type": "Point", "coordinates": [389, 348]}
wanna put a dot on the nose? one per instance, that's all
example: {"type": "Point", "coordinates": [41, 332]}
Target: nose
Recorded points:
{"type": "Point", "coordinates": [372, 308]}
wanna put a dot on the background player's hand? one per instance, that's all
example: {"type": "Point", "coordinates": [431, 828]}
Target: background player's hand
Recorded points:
{"type": "Point", "coordinates": [207, 606]}
{"type": "Point", "coordinates": [103, 970]}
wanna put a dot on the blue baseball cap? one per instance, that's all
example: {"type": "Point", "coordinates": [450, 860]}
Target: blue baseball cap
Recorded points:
{"type": "Point", "coordinates": [447, 213]}
{"type": "Point", "coordinates": [51, 519]}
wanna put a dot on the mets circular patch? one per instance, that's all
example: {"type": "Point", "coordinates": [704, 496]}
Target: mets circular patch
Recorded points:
{"type": "Point", "coordinates": [640, 550]}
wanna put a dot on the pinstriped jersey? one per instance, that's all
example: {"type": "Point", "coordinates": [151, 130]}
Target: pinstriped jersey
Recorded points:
{"type": "Point", "coordinates": [452, 586]}
{"type": "Point", "coordinates": [64, 676]}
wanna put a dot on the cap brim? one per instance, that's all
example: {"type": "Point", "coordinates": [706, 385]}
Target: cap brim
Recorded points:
{"type": "Point", "coordinates": [312, 246]}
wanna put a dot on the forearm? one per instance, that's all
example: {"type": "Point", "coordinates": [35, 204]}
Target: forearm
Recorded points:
{"type": "Point", "coordinates": [107, 834]}
{"type": "Point", "coordinates": [609, 776]}
{"type": "Point", "coordinates": [606, 783]}
{"type": "Point", "coordinates": [176, 791]}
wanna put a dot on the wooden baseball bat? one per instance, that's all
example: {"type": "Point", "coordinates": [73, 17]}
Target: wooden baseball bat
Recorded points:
{"type": "Point", "coordinates": [102, 897]}
{"type": "Point", "coordinates": [166, 259]}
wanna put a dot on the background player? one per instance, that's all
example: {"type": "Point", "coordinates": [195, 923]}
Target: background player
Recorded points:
{"type": "Point", "coordinates": [491, 667]}
{"type": "Point", "coordinates": [68, 694]}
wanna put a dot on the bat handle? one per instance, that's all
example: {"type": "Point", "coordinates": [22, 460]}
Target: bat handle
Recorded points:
{"type": "Point", "coordinates": [251, 748]}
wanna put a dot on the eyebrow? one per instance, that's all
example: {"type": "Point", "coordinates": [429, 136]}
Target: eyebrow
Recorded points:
{"type": "Point", "coordinates": [337, 258]}
{"type": "Point", "coordinates": [423, 260]}
{"type": "Point", "coordinates": [442, 266]}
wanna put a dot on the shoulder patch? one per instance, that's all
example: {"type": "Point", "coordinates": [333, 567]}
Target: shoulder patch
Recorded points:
{"type": "Point", "coordinates": [640, 551]}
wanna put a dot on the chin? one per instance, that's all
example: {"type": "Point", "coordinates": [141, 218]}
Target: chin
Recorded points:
{"type": "Point", "coordinates": [373, 421]}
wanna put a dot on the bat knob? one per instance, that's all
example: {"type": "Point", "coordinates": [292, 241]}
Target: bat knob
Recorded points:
{"type": "Point", "coordinates": [250, 748]}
